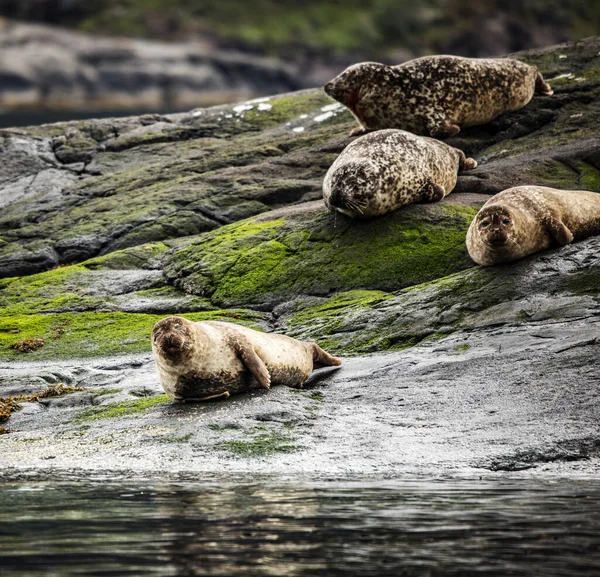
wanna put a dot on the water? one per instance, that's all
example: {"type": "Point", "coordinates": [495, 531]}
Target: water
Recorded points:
{"type": "Point", "coordinates": [285, 529]}
{"type": "Point", "coordinates": [35, 117]}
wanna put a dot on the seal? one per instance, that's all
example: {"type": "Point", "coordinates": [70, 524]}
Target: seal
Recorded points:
{"type": "Point", "coordinates": [435, 95]}
{"type": "Point", "coordinates": [523, 220]}
{"type": "Point", "coordinates": [197, 361]}
{"type": "Point", "coordinates": [384, 170]}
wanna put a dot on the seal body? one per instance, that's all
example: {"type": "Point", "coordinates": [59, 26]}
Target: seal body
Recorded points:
{"type": "Point", "coordinates": [202, 360]}
{"type": "Point", "coordinates": [523, 220]}
{"type": "Point", "coordinates": [435, 95]}
{"type": "Point", "coordinates": [384, 170]}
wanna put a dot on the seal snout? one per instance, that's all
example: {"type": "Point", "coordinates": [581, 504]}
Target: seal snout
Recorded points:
{"type": "Point", "coordinates": [495, 227]}
{"type": "Point", "coordinates": [172, 342]}
{"type": "Point", "coordinates": [336, 199]}
{"type": "Point", "coordinates": [330, 88]}
{"type": "Point", "coordinates": [340, 92]}
{"type": "Point", "coordinates": [498, 238]}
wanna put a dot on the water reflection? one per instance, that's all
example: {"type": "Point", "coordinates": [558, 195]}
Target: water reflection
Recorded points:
{"type": "Point", "coordinates": [412, 529]}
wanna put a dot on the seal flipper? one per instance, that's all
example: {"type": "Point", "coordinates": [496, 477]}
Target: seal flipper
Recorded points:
{"type": "Point", "coordinates": [439, 127]}
{"type": "Point", "coordinates": [465, 163]}
{"type": "Point", "coordinates": [323, 358]}
{"type": "Point", "coordinates": [223, 395]}
{"type": "Point", "coordinates": [432, 192]}
{"type": "Point", "coordinates": [358, 131]}
{"type": "Point", "coordinates": [253, 362]}
{"type": "Point", "coordinates": [559, 232]}
{"type": "Point", "coordinates": [541, 86]}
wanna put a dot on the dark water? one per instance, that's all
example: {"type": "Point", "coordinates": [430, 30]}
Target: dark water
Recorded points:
{"type": "Point", "coordinates": [265, 528]}
{"type": "Point", "coordinates": [35, 117]}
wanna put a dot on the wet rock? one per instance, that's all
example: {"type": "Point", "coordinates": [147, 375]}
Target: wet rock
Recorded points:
{"type": "Point", "coordinates": [214, 214]}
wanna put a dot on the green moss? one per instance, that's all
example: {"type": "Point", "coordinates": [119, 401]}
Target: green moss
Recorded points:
{"type": "Point", "coordinates": [258, 262]}
{"type": "Point", "coordinates": [589, 176]}
{"type": "Point", "coordinates": [327, 313]}
{"type": "Point", "coordinates": [127, 259]}
{"type": "Point", "coordinates": [104, 392]}
{"type": "Point", "coordinates": [391, 322]}
{"type": "Point", "coordinates": [261, 445]}
{"type": "Point", "coordinates": [77, 335]}
{"type": "Point", "coordinates": [550, 172]}
{"type": "Point", "coordinates": [586, 282]}
{"type": "Point", "coordinates": [41, 286]}
{"type": "Point", "coordinates": [461, 348]}
{"type": "Point", "coordinates": [316, 396]}
{"type": "Point", "coordinates": [123, 409]}
{"type": "Point", "coordinates": [132, 140]}
{"type": "Point", "coordinates": [286, 108]}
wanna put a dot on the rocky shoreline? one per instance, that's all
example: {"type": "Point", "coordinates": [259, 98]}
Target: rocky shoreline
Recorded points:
{"type": "Point", "coordinates": [44, 67]}
{"type": "Point", "coordinates": [108, 225]}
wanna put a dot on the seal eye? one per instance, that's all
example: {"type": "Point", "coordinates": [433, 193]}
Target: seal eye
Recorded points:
{"type": "Point", "coordinates": [485, 223]}
{"type": "Point", "coordinates": [506, 221]}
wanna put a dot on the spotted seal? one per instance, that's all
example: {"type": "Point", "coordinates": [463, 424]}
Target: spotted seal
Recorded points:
{"type": "Point", "coordinates": [204, 360]}
{"type": "Point", "coordinates": [523, 220]}
{"type": "Point", "coordinates": [387, 169]}
{"type": "Point", "coordinates": [435, 95]}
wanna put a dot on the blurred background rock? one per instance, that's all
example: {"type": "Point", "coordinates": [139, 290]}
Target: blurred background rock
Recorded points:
{"type": "Point", "coordinates": [62, 59]}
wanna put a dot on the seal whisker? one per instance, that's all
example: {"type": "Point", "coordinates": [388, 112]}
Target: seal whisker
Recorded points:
{"type": "Point", "coordinates": [356, 207]}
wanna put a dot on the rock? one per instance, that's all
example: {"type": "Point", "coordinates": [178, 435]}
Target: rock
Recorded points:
{"type": "Point", "coordinates": [215, 214]}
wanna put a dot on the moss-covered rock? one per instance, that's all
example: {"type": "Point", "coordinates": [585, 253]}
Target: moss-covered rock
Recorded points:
{"type": "Point", "coordinates": [215, 212]}
{"type": "Point", "coordinates": [560, 284]}
{"type": "Point", "coordinates": [88, 188]}
{"type": "Point", "coordinates": [104, 306]}
{"type": "Point", "coordinates": [308, 251]}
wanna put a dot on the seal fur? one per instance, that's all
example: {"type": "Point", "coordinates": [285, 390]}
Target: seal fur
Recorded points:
{"type": "Point", "coordinates": [523, 220]}
{"type": "Point", "coordinates": [202, 360]}
{"type": "Point", "coordinates": [387, 169]}
{"type": "Point", "coordinates": [435, 95]}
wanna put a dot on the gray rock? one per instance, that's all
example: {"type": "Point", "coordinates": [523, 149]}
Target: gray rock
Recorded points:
{"type": "Point", "coordinates": [449, 368]}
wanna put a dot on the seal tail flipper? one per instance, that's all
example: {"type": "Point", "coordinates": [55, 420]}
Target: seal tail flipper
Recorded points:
{"type": "Point", "coordinates": [432, 192]}
{"type": "Point", "coordinates": [323, 358]}
{"type": "Point", "coordinates": [465, 163]}
{"type": "Point", "coordinates": [559, 232]}
{"type": "Point", "coordinates": [253, 363]}
{"type": "Point", "coordinates": [358, 130]}
{"type": "Point", "coordinates": [541, 86]}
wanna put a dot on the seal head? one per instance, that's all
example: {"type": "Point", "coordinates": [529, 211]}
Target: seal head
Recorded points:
{"type": "Point", "coordinates": [348, 87]}
{"type": "Point", "coordinates": [173, 338]}
{"type": "Point", "coordinates": [495, 225]}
